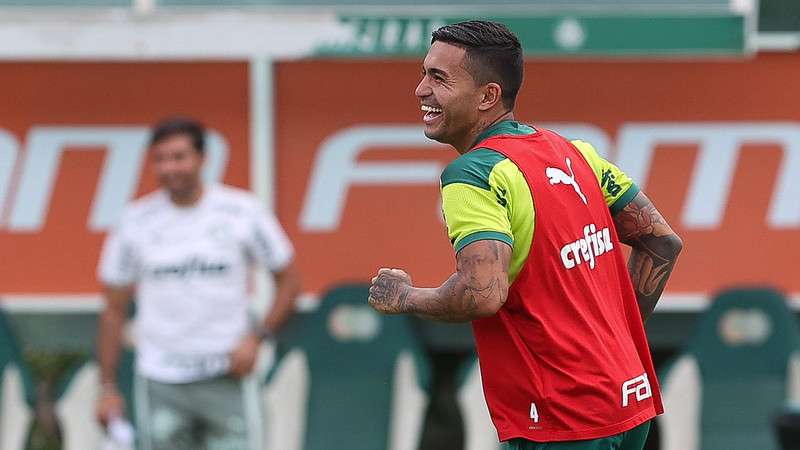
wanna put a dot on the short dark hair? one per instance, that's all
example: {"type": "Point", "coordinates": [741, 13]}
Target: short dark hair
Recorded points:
{"type": "Point", "coordinates": [494, 54]}
{"type": "Point", "coordinates": [180, 125]}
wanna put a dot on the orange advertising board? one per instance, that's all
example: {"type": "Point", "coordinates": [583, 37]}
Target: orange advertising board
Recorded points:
{"type": "Point", "coordinates": [72, 138]}
{"type": "Point", "coordinates": [715, 144]}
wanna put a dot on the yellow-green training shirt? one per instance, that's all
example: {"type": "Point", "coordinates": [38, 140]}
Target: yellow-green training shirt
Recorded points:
{"type": "Point", "coordinates": [485, 195]}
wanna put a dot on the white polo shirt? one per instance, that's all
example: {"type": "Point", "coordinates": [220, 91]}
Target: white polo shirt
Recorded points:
{"type": "Point", "coordinates": [190, 267]}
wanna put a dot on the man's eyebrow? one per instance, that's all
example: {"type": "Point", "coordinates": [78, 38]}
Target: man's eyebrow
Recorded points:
{"type": "Point", "coordinates": [435, 71]}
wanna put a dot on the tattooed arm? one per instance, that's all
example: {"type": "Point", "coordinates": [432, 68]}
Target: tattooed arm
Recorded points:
{"type": "Point", "coordinates": [655, 247]}
{"type": "Point", "coordinates": [478, 288]}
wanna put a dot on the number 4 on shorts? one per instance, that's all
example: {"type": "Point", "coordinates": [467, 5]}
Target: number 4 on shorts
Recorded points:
{"type": "Point", "coordinates": [534, 413]}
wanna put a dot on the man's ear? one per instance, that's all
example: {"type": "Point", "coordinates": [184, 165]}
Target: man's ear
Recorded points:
{"type": "Point", "coordinates": [492, 95]}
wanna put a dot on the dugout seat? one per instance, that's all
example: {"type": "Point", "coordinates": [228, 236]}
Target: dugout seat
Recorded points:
{"type": "Point", "coordinates": [347, 378]}
{"type": "Point", "coordinates": [16, 391]}
{"type": "Point", "coordinates": [735, 374]}
{"type": "Point", "coordinates": [480, 433]}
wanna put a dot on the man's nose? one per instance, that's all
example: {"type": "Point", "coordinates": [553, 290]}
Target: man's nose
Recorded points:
{"type": "Point", "coordinates": [166, 166]}
{"type": "Point", "coordinates": [423, 89]}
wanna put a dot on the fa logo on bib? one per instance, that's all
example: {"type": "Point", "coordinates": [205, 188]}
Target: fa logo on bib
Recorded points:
{"type": "Point", "coordinates": [640, 386]}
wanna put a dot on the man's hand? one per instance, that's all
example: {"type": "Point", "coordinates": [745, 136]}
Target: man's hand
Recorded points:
{"type": "Point", "coordinates": [243, 357]}
{"type": "Point", "coordinates": [110, 404]}
{"type": "Point", "coordinates": [389, 291]}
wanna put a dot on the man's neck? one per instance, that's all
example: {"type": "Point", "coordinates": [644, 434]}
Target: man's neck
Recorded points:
{"type": "Point", "coordinates": [187, 199]}
{"type": "Point", "coordinates": [480, 127]}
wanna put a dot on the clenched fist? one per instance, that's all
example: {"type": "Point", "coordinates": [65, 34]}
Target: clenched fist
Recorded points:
{"type": "Point", "coordinates": [389, 291]}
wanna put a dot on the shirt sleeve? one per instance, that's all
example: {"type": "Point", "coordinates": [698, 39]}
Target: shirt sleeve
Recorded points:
{"type": "Point", "coordinates": [119, 262]}
{"type": "Point", "coordinates": [474, 203]}
{"type": "Point", "coordinates": [618, 188]}
{"type": "Point", "coordinates": [268, 244]}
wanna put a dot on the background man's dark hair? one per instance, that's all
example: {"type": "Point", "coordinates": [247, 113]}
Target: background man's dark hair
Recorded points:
{"type": "Point", "coordinates": [180, 125]}
{"type": "Point", "coordinates": [494, 54]}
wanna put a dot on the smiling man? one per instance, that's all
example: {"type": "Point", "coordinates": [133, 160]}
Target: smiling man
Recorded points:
{"type": "Point", "coordinates": [186, 251]}
{"type": "Point", "coordinates": [536, 222]}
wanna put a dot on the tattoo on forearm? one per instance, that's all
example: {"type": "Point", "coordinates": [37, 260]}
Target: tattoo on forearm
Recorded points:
{"type": "Point", "coordinates": [467, 297]}
{"type": "Point", "coordinates": [481, 280]}
{"type": "Point", "coordinates": [655, 248]}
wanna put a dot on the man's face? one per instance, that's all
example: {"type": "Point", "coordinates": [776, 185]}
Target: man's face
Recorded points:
{"type": "Point", "coordinates": [448, 94]}
{"type": "Point", "coordinates": [177, 164]}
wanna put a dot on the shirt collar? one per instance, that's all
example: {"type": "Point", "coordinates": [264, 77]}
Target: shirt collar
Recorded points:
{"type": "Point", "coordinates": [508, 126]}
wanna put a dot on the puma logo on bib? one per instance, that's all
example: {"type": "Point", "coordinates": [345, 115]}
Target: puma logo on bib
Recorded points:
{"type": "Point", "coordinates": [558, 176]}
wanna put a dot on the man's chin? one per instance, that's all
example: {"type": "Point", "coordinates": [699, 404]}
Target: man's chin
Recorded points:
{"type": "Point", "coordinates": [434, 135]}
{"type": "Point", "coordinates": [177, 190]}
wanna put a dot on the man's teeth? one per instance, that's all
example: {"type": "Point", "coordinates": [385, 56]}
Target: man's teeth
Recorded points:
{"type": "Point", "coordinates": [427, 108]}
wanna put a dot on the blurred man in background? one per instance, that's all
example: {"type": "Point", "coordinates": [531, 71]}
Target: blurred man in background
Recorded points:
{"type": "Point", "coordinates": [536, 222]}
{"type": "Point", "coordinates": [185, 252]}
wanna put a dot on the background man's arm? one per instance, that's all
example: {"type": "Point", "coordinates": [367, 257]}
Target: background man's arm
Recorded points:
{"type": "Point", "coordinates": [287, 288]}
{"type": "Point", "coordinates": [655, 248]}
{"type": "Point", "coordinates": [479, 287]}
{"type": "Point", "coordinates": [109, 344]}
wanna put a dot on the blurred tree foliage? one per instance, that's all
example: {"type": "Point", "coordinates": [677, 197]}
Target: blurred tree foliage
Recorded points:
{"type": "Point", "coordinates": [50, 370]}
